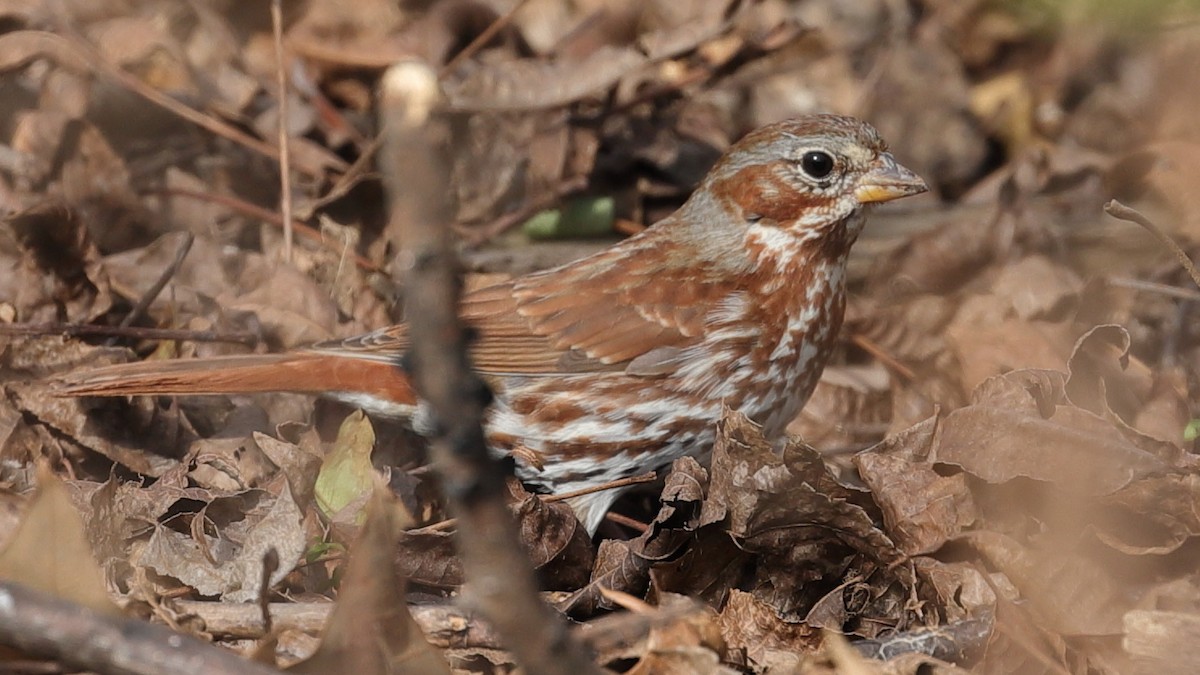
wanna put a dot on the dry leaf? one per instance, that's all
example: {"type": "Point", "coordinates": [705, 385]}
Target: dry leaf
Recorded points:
{"type": "Point", "coordinates": [370, 631]}
{"type": "Point", "coordinates": [50, 552]}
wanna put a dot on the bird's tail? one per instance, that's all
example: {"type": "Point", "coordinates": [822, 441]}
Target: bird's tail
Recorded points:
{"type": "Point", "coordinates": [304, 372]}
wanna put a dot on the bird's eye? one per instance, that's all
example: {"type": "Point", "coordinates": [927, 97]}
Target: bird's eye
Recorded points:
{"type": "Point", "coordinates": [816, 163]}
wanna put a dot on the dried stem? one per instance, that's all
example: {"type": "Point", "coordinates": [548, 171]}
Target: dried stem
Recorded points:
{"type": "Point", "coordinates": [151, 294]}
{"type": "Point", "coordinates": [285, 155]}
{"type": "Point", "coordinates": [500, 579]}
{"type": "Point", "coordinates": [1116, 209]}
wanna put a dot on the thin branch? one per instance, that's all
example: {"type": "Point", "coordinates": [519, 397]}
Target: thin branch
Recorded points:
{"type": "Point", "coordinates": [39, 624]}
{"type": "Point", "coordinates": [500, 579]}
{"type": "Point", "coordinates": [868, 345]}
{"type": "Point", "coordinates": [1156, 288]}
{"type": "Point", "coordinates": [151, 294]}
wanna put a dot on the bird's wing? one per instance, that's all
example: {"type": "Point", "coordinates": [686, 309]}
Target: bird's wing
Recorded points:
{"type": "Point", "coordinates": [625, 309]}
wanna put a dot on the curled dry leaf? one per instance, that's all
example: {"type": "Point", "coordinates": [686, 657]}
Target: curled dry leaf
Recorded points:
{"type": "Point", "coordinates": [70, 423]}
{"type": "Point", "coordinates": [1152, 516]}
{"type": "Point", "coordinates": [1073, 449]}
{"type": "Point", "coordinates": [961, 610]}
{"type": "Point", "coordinates": [558, 547]}
{"type": "Point", "coordinates": [58, 254]}
{"type": "Point", "coordinates": [765, 498]}
{"type": "Point", "coordinates": [1106, 380]}
{"type": "Point", "coordinates": [780, 527]}
{"type": "Point", "coordinates": [298, 465]}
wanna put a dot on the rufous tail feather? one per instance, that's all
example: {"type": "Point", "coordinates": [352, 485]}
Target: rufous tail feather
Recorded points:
{"type": "Point", "coordinates": [306, 373]}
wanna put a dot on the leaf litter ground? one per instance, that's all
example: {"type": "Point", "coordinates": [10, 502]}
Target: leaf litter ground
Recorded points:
{"type": "Point", "coordinates": [992, 476]}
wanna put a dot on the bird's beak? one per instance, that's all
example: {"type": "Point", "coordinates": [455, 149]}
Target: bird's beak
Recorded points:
{"type": "Point", "coordinates": [886, 180]}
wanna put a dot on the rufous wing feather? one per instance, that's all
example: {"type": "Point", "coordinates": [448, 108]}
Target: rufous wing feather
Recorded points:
{"type": "Point", "coordinates": [593, 315]}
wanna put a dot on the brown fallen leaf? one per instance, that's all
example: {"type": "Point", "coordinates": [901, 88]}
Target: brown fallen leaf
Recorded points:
{"type": "Point", "coordinates": [228, 562]}
{"type": "Point", "coordinates": [753, 627]}
{"type": "Point", "coordinates": [625, 565]}
{"type": "Point", "coordinates": [690, 644]}
{"type": "Point", "coordinates": [1070, 593]}
{"type": "Point", "coordinates": [62, 271]}
{"type": "Point", "coordinates": [780, 527]}
{"type": "Point", "coordinates": [1153, 516]}
{"type": "Point", "coordinates": [922, 508]}
{"type": "Point", "coordinates": [50, 550]}
{"type": "Point", "coordinates": [1074, 449]}
{"type": "Point", "coordinates": [370, 631]}
{"type": "Point", "coordinates": [1020, 644]}
{"type": "Point", "coordinates": [559, 546]}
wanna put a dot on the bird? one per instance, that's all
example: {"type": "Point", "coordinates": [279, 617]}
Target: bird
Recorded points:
{"type": "Point", "coordinates": [623, 361]}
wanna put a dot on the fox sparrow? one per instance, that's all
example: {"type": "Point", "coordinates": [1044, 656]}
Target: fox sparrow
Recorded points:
{"type": "Point", "coordinates": [620, 363]}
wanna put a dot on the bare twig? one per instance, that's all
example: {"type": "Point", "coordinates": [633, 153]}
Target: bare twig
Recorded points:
{"type": "Point", "coordinates": [481, 39]}
{"type": "Point", "coordinates": [285, 155]}
{"type": "Point", "coordinates": [868, 345]}
{"type": "Point", "coordinates": [500, 579]}
{"type": "Point", "coordinates": [649, 477]}
{"type": "Point", "coordinates": [1116, 209]}
{"type": "Point", "coordinates": [133, 332]}
{"type": "Point", "coordinates": [151, 294]}
{"type": "Point", "coordinates": [270, 565]}
{"type": "Point", "coordinates": [626, 521]}
{"type": "Point", "coordinates": [41, 625]}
